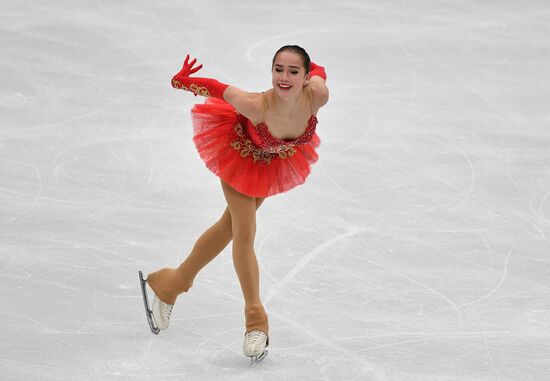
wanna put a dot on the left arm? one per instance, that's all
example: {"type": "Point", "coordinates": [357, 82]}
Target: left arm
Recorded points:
{"type": "Point", "coordinates": [317, 83]}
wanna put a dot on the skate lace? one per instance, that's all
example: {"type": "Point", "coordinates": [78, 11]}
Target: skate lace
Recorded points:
{"type": "Point", "coordinates": [255, 336]}
{"type": "Point", "coordinates": [167, 310]}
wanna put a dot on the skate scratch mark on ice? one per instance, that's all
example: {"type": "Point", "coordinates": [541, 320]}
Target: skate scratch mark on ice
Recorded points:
{"type": "Point", "coordinates": [373, 370]}
{"type": "Point", "coordinates": [101, 249]}
{"type": "Point", "coordinates": [27, 364]}
{"type": "Point", "coordinates": [489, 356]}
{"type": "Point", "coordinates": [514, 182]}
{"type": "Point", "coordinates": [283, 36]}
{"type": "Point", "coordinates": [409, 58]}
{"type": "Point", "coordinates": [114, 158]}
{"type": "Point", "coordinates": [468, 193]}
{"type": "Point", "coordinates": [96, 204]}
{"type": "Point", "coordinates": [404, 342]}
{"type": "Point", "coordinates": [306, 259]}
{"type": "Point", "coordinates": [48, 126]}
{"type": "Point", "coordinates": [537, 210]}
{"type": "Point", "coordinates": [456, 74]}
{"type": "Point", "coordinates": [349, 196]}
{"type": "Point", "coordinates": [146, 139]}
{"type": "Point", "coordinates": [40, 326]}
{"type": "Point", "coordinates": [359, 140]}
{"type": "Point", "coordinates": [259, 250]}
{"type": "Point", "coordinates": [195, 323]}
{"type": "Point", "coordinates": [442, 335]}
{"type": "Point", "coordinates": [424, 338]}
{"type": "Point", "coordinates": [433, 291]}
{"type": "Point", "coordinates": [504, 271]}
{"type": "Point", "coordinates": [38, 193]}
{"type": "Point", "coordinates": [540, 212]}
{"type": "Point", "coordinates": [517, 188]}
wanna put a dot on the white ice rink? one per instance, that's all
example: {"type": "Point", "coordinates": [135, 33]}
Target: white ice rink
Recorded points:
{"type": "Point", "coordinates": [417, 250]}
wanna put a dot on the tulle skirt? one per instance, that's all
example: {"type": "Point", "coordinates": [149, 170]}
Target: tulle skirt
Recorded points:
{"type": "Point", "coordinates": [223, 141]}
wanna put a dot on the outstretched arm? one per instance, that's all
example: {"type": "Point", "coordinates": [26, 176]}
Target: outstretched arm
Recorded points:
{"type": "Point", "coordinates": [206, 87]}
{"type": "Point", "coordinates": [244, 102]}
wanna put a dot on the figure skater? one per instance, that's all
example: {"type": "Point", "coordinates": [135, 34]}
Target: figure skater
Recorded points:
{"type": "Point", "coordinates": [258, 144]}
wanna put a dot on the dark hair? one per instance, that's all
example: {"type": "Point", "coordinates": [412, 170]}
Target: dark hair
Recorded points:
{"type": "Point", "coordinates": [294, 49]}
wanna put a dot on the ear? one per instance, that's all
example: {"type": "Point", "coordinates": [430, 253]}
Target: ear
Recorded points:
{"type": "Point", "coordinates": [307, 78]}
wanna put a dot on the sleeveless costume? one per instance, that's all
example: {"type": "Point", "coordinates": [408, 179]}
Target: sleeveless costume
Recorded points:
{"type": "Point", "coordinates": [247, 156]}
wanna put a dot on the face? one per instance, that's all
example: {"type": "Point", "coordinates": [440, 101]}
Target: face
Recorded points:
{"type": "Point", "coordinates": [288, 74]}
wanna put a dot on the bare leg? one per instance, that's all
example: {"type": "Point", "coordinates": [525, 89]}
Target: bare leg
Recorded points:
{"type": "Point", "coordinates": [168, 283]}
{"type": "Point", "coordinates": [243, 222]}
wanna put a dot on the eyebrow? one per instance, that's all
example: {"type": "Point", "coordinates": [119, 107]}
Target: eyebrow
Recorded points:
{"type": "Point", "coordinates": [291, 66]}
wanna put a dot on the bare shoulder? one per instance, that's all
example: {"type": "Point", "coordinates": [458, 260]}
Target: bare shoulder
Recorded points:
{"type": "Point", "coordinates": [246, 103]}
{"type": "Point", "coordinates": [319, 91]}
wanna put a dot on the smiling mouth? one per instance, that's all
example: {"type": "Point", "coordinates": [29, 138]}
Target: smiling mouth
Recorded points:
{"type": "Point", "coordinates": [284, 87]}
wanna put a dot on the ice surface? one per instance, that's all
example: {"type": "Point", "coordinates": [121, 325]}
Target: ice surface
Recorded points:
{"type": "Point", "coordinates": [418, 249]}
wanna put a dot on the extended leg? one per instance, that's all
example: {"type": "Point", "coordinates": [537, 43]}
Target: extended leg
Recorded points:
{"type": "Point", "coordinates": [168, 283]}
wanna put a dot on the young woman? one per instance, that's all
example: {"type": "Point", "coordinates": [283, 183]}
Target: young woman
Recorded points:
{"type": "Point", "coordinates": [258, 144]}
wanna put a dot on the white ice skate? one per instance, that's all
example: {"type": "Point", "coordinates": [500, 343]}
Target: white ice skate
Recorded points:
{"type": "Point", "coordinates": [159, 317]}
{"type": "Point", "coordinates": [161, 313]}
{"type": "Point", "coordinates": [254, 346]}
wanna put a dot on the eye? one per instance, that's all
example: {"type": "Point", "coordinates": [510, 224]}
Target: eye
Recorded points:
{"type": "Point", "coordinates": [294, 72]}
{"type": "Point", "coordinates": [278, 70]}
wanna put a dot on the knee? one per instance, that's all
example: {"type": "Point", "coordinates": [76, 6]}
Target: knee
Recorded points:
{"type": "Point", "coordinates": [225, 219]}
{"type": "Point", "coordinates": [244, 234]}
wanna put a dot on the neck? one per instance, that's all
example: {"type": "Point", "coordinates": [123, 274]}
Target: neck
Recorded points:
{"type": "Point", "coordinates": [286, 106]}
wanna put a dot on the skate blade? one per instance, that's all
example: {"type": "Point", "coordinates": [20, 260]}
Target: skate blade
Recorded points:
{"type": "Point", "coordinates": [258, 359]}
{"type": "Point", "coordinates": [148, 313]}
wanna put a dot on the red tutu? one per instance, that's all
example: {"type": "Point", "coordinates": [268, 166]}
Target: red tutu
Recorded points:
{"type": "Point", "coordinates": [246, 156]}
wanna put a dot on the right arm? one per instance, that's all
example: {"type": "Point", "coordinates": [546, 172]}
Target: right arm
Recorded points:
{"type": "Point", "coordinates": [247, 104]}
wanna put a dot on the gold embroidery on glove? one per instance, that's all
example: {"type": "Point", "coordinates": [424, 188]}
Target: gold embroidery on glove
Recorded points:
{"type": "Point", "coordinates": [178, 85]}
{"type": "Point", "coordinates": [198, 90]}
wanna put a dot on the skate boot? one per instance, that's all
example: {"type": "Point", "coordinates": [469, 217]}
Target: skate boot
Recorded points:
{"type": "Point", "coordinates": [158, 318]}
{"type": "Point", "coordinates": [161, 313]}
{"type": "Point", "coordinates": [254, 346]}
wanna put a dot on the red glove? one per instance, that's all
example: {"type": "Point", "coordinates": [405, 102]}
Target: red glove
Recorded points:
{"type": "Point", "coordinates": [206, 87]}
{"type": "Point", "coordinates": [315, 69]}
